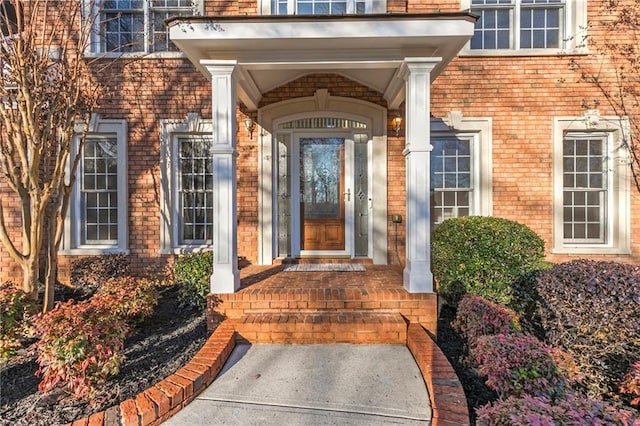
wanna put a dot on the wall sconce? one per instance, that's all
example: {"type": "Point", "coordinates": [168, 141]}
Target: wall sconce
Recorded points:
{"type": "Point", "coordinates": [396, 124]}
{"type": "Point", "coordinates": [249, 125]}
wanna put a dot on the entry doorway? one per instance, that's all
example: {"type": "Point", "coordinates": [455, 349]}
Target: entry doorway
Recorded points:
{"type": "Point", "coordinates": [323, 200]}
{"type": "Point", "coordinates": [362, 126]}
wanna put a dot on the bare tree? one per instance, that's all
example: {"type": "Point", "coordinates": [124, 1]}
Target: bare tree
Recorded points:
{"type": "Point", "coordinates": [614, 68]}
{"type": "Point", "coordinates": [47, 88]}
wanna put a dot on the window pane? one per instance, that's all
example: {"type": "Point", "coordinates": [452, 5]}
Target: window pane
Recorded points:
{"type": "Point", "coordinates": [305, 9]}
{"type": "Point", "coordinates": [123, 24]}
{"type": "Point", "coordinates": [492, 31]}
{"type": "Point", "coordinates": [539, 26]}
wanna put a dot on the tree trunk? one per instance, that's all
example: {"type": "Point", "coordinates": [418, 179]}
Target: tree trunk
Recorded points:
{"type": "Point", "coordinates": [30, 276]}
{"type": "Point", "coordinates": [51, 273]}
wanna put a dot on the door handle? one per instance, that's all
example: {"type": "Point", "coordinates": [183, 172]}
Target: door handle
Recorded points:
{"type": "Point", "coordinates": [348, 194]}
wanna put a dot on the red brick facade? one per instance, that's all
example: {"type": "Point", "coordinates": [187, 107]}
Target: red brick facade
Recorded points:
{"type": "Point", "coordinates": [521, 94]}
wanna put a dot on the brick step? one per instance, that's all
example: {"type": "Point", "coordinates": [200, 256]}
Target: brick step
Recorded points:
{"type": "Point", "coordinates": [414, 307]}
{"type": "Point", "coordinates": [323, 327]}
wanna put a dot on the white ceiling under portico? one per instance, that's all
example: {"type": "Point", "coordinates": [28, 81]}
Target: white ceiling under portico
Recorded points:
{"type": "Point", "coordinates": [369, 49]}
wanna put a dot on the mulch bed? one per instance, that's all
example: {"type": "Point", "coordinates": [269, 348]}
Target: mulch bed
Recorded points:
{"type": "Point", "coordinates": [160, 346]}
{"type": "Point", "coordinates": [452, 344]}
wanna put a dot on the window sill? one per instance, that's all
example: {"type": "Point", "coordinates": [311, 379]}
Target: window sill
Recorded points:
{"type": "Point", "coordinates": [135, 55]}
{"type": "Point", "coordinates": [590, 250]}
{"type": "Point", "coordinates": [93, 251]}
{"type": "Point", "coordinates": [186, 249]}
{"type": "Point", "coordinates": [466, 52]}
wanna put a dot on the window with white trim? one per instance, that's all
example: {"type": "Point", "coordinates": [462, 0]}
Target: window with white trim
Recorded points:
{"type": "Point", "coordinates": [591, 187]}
{"type": "Point", "coordinates": [460, 170]}
{"type": "Point", "coordinates": [452, 177]}
{"type": "Point", "coordinates": [137, 26]}
{"type": "Point", "coordinates": [323, 7]}
{"type": "Point", "coordinates": [97, 219]}
{"type": "Point", "coordinates": [187, 185]}
{"type": "Point", "coordinates": [527, 25]}
{"type": "Point", "coordinates": [193, 175]}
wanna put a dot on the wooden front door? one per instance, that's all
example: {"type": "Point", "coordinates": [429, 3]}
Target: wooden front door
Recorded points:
{"type": "Point", "coordinates": [322, 193]}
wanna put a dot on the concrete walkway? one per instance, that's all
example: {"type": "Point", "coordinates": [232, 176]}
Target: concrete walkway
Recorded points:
{"type": "Point", "coordinates": [313, 385]}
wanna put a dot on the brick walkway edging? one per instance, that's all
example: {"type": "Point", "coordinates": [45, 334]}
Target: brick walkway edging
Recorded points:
{"type": "Point", "coordinates": [448, 402]}
{"type": "Point", "coordinates": [166, 398]}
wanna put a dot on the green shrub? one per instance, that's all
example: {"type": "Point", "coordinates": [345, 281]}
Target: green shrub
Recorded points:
{"type": "Point", "coordinates": [484, 256]}
{"type": "Point", "coordinates": [80, 346]}
{"type": "Point", "coordinates": [15, 305]}
{"type": "Point", "coordinates": [192, 272]}
{"type": "Point", "coordinates": [592, 310]}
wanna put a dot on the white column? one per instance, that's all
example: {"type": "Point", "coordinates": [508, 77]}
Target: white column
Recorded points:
{"type": "Point", "coordinates": [417, 272]}
{"type": "Point", "coordinates": [226, 277]}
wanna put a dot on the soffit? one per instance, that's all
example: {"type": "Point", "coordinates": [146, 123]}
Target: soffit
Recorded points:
{"type": "Point", "coordinates": [369, 49]}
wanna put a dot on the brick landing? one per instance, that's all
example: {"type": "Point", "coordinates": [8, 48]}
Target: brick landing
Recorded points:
{"type": "Point", "coordinates": [272, 293]}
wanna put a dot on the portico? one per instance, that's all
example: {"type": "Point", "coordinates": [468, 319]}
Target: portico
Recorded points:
{"type": "Point", "coordinates": [396, 56]}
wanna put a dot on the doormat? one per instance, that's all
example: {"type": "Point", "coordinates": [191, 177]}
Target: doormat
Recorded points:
{"type": "Point", "coordinates": [326, 267]}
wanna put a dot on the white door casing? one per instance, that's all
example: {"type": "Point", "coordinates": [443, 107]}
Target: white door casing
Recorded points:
{"type": "Point", "coordinates": [324, 105]}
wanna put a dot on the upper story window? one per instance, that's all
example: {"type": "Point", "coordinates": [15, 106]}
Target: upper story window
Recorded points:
{"type": "Point", "coordinates": [137, 26]}
{"type": "Point", "coordinates": [322, 7]}
{"type": "Point", "coordinates": [527, 25]}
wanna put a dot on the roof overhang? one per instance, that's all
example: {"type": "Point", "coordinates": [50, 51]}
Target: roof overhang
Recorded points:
{"type": "Point", "coordinates": [369, 49]}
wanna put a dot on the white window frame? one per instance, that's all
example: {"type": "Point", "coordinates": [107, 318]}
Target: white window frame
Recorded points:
{"type": "Point", "coordinates": [371, 6]}
{"type": "Point", "coordinates": [478, 130]}
{"type": "Point", "coordinates": [92, 8]}
{"type": "Point", "coordinates": [617, 227]}
{"type": "Point", "coordinates": [474, 169]}
{"type": "Point", "coordinates": [572, 39]}
{"type": "Point", "coordinates": [170, 132]}
{"type": "Point", "coordinates": [73, 240]}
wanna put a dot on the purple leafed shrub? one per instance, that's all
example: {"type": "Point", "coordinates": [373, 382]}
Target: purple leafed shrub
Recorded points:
{"type": "Point", "coordinates": [572, 409]}
{"type": "Point", "coordinates": [592, 310]}
{"type": "Point", "coordinates": [521, 364]}
{"type": "Point", "coordinates": [478, 317]}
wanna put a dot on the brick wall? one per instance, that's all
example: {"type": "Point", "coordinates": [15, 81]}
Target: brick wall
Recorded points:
{"type": "Point", "coordinates": [521, 94]}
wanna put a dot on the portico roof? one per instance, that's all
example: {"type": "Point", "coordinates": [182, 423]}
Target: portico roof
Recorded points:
{"type": "Point", "coordinates": [369, 49]}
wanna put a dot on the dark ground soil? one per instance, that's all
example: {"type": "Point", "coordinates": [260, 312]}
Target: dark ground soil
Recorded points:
{"type": "Point", "coordinates": [452, 344]}
{"type": "Point", "coordinates": [160, 346]}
